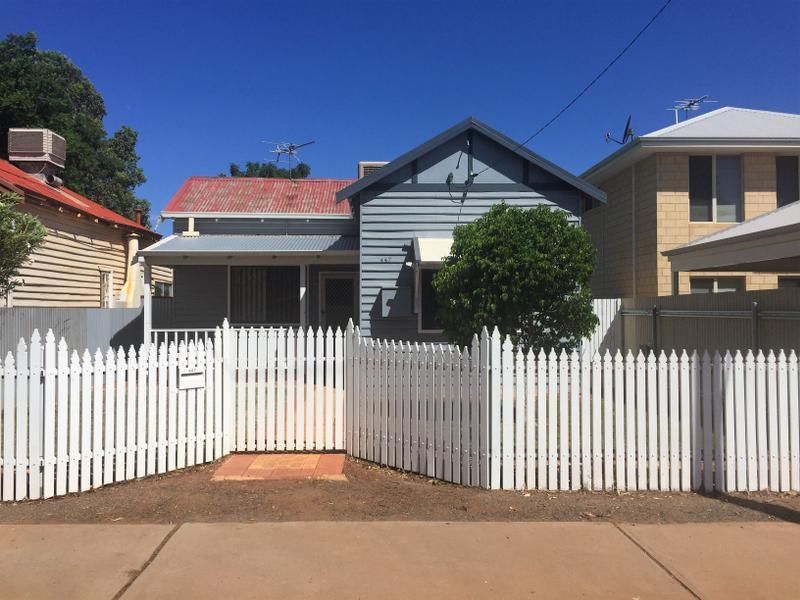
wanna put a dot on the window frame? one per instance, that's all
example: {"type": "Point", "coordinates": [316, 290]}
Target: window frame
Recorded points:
{"type": "Point", "coordinates": [418, 296]}
{"type": "Point", "coordinates": [788, 278]}
{"type": "Point", "coordinates": [106, 287]}
{"type": "Point", "coordinates": [797, 172]}
{"type": "Point", "coordinates": [171, 287]}
{"type": "Point", "coordinates": [740, 205]}
{"type": "Point", "coordinates": [715, 284]}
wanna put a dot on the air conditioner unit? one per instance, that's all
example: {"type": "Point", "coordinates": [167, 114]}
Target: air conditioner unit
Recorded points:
{"type": "Point", "coordinates": [36, 145]}
{"type": "Point", "coordinates": [366, 168]}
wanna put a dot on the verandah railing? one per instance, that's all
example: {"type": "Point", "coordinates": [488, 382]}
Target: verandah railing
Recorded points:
{"type": "Point", "coordinates": [489, 415]}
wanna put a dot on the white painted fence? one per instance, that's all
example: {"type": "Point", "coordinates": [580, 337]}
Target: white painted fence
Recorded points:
{"type": "Point", "coordinates": [421, 408]}
{"type": "Point", "coordinates": [487, 415]}
{"type": "Point", "coordinates": [71, 422]}
{"type": "Point", "coordinates": [75, 422]}
{"type": "Point", "coordinates": [288, 389]}
{"type": "Point", "coordinates": [495, 417]}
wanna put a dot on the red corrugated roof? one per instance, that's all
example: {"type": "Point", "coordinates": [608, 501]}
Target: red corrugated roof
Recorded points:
{"type": "Point", "coordinates": [257, 195]}
{"type": "Point", "coordinates": [28, 184]}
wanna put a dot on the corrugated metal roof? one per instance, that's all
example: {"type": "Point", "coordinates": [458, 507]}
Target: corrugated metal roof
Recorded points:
{"type": "Point", "coordinates": [733, 122]}
{"type": "Point", "coordinates": [23, 183]}
{"type": "Point", "coordinates": [253, 244]}
{"type": "Point", "coordinates": [729, 128]}
{"type": "Point", "coordinates": [257, 195]}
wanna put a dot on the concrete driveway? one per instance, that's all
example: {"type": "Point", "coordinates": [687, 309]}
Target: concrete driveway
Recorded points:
{"type": "Point", "coordinates": [400, 560]}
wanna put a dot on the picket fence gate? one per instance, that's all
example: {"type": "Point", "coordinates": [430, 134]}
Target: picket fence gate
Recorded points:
{"type": "Point", "coordinates": [487, 415]}
{"type": "Point", "coordinates": [72, 422]}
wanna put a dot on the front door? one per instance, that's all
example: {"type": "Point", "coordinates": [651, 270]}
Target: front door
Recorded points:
{"type": "Point", "coordinates": [338, 299]}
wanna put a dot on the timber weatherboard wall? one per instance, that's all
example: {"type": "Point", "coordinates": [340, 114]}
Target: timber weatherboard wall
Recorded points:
{"type": "Point", "coordinates": [65, 270]}
{"type": "Point", "coordinates": [417, 203]}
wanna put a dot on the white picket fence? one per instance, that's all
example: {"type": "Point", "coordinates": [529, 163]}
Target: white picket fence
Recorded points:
{"type": "Point", "coordinates": [75, 422]}
{"type": "Point", "coordinates": [488, 415]}
{"type": "Point", "coordinates": [499, 418]}
{"type": "Point", "coordinates": [72, 422]}
{"type": "Point", "coordinates": [288, 391]}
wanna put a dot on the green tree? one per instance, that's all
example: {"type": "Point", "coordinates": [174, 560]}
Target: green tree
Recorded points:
{"type": "Point", "coordinates": [20, 234]}
{"type": "Point", "coordinates": [525, 271]}
{"type": "Point", "coordinates": [256, 169]}
{"type": "Point", "coordinates": [43, 88]}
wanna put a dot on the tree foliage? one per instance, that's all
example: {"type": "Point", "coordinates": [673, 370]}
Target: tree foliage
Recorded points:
{"type": "Point", "coordinates": [43, 88]}
{"type": "Point", "coordinates": [525, 271]}
{"type": "Point", "coordinates": [20, 234]}
{"type": "Point", "coordinates": [257, 169]}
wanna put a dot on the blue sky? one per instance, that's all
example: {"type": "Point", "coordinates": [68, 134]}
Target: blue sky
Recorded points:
{"type": "Point", "coordinates": [205, 82]}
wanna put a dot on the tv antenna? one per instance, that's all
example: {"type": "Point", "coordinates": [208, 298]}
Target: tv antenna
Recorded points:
{"type": "Point", "coordinates": [289, 150]}
{"type": "Point", "coordinates": [627, 134]}
{"type": "Point", "coordinates": [689, 104]}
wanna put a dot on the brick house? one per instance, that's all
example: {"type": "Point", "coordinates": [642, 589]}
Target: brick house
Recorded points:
{"type": "Point", "coordinates": [686, 181]}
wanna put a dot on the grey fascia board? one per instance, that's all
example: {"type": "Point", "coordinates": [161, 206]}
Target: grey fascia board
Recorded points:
{"type": "Point", "coordinates": [465, 125]}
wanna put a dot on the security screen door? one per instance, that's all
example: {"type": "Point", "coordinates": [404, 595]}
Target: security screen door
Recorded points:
{"type": "Point", "coordinates": [338, 302]}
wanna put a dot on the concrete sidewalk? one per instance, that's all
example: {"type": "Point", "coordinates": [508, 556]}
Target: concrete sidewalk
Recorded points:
{"type": "Point", "coordinates": [400, 560]}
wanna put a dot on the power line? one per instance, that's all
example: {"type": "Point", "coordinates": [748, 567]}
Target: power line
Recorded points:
{"type": "Point", "coordinates": [599, 75]}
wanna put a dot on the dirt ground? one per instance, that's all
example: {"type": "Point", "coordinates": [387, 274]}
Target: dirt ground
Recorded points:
{"type": "Point", "coordinates": [373, 493]}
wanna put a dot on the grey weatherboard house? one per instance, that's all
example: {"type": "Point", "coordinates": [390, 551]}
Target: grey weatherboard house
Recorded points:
{"type": "Point", "coordinates": [318, 252]}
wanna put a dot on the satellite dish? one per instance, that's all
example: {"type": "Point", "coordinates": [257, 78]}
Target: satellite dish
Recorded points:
{"type": "Point", "coordinates": [627, 134]}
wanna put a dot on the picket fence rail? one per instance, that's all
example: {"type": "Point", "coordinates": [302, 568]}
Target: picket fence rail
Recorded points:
{"type": "Point", "coordinates": [488, 415]}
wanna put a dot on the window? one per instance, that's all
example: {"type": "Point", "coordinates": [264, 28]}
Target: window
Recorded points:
{"type": "Point", "coordinates": [701, 190]}
{"type": "Point", "coordinates": [715, 189]}
{"type": "Point", "coordinates": [786, 179]}
{"type": "Point", "coordinates": [162, 289]}
{"type": "Point", "coordinates": [729, 189]}
{"type": "Point", "coordinates": [105, 289]}
{"type": "Point", "coordinates": [265, 295]}
{"type": "Point", "coordinates": [789, 283]}
{"type": "Point", "coordinates": [718, 285]}
{"type": "Point", "coordinates": [428, 305]}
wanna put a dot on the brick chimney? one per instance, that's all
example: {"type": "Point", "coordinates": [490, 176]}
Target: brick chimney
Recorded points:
{"type": "Point", "coordinates": [137, 215]}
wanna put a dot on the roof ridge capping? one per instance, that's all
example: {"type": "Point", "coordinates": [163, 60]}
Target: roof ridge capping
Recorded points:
{"type": "Point", "coordinates": [475, 124]}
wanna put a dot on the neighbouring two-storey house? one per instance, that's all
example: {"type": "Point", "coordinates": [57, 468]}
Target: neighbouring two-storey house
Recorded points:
{"type": "Point", "coordinates": [320, 252]}
{"type": "Point", "coordinates": [88, 258]}
{"type": "Point", "coordinates": [675, 185]}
